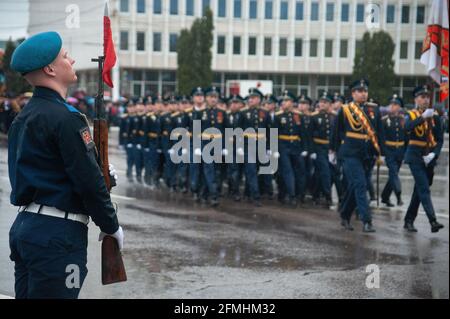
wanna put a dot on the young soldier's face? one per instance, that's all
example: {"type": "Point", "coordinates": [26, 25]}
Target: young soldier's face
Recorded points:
{"type": "Point", "coordinates": [63, 68]}
{"type": "Point", "coordinates": [287, 104]}
{"type": "Point", "coordinates": [360, 96]}
{"type": "Point", "coordinates": [199, 99]}
{"type": "Point", "coordinates": [303, 107]}
{"type": "Point", "coordinates": [212, 100]}
{"type": "Point", "coordinates": [337, 105]}
{"type": "Point", "coordinates": [254, 101]}
{"type": "Point", "coordinates": [422, 101]}
{"type": "Point", "coordinates": [395, 108]}
{"type": "Point", "coordinates": [324, 105]}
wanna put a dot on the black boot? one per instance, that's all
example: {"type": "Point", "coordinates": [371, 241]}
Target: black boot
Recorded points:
{"type": "Point", "coordinates": [257, 203]}
{"type": "Point", "coordinates": [435, 226]}
{"type": "Point", "coordinates": [237, 198]}
{"type": "Point", "coordinates": [368, 228]}
{"type": "Point", "coordinates": [399, 199]}
{"type": "Point", "coordinates": [346, 224]}
{"type": "Point", "coordinates": [387, 202]}
{"type": "Point", "coordinates": [409, 226]}
{"type": "Point", "coordinates": [293, 202]}
{"type": "Point", "coordinates": [214, 202]}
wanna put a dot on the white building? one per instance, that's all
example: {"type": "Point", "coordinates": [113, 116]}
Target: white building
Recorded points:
{"type": "Point", "coordinates": [305, 46]}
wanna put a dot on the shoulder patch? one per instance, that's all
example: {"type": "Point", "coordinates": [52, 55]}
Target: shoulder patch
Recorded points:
{"type": "Point", "coordinates": [86, 137]}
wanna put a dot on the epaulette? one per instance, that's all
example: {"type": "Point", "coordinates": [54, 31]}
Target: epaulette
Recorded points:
{"type": "Point", "coordinates": [334, 113]}
{"type": "Point", "coordinates": [175, 114]}
{"type": "Point", "coordinates": [124, 115]}
{"type": "Point", "coordinates": [314, 113]}
{"type": "Point", "coordinates": [200, 109]}
{"type": "Point", "coordinates": [71, 108]}
{"type": "Point", "coordinates": [150, 114]}
{"type": "Point", "coordinates": [279, 112]}
{"type": "Point", "coordinates": [244, 109]}
{"type": "Point", "coordinates": [188, 110]}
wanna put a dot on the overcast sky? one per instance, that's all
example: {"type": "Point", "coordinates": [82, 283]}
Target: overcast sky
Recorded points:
{"type": "Point", "coordinates": [14, 18]}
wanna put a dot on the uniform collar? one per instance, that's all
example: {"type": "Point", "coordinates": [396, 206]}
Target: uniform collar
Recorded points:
{"type": "Point", "coordinates": [44, 92]}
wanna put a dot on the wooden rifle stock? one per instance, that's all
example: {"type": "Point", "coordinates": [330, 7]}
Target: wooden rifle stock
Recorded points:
{"type": "Point", "coordinates": [113, 268]}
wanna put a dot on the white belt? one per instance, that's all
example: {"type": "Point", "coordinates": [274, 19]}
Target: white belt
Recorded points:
{"type": "Point", "coordinates": [54, 212]}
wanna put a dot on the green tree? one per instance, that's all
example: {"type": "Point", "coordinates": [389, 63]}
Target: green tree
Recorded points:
{"type": "Point", "coordinates": [194, 54]}
{"type": "Point", "coordinates": [374, 61]}
{"type": "Point", "coordinates": [15, 83]}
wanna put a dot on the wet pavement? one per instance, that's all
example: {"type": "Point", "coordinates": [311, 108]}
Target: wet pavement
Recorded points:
{"type": "Point", "coordinates": [176, 248]}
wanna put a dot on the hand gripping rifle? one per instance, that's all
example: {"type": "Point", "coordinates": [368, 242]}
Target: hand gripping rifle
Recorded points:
{"type": "Point", "coordinates": [113, 269]}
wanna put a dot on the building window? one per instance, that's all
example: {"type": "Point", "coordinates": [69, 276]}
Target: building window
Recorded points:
{"type": "Point", "coordinates": [330, 11]}
{"type": "Point", "coordinates": [299, 10]}
{"type": "Point", "coordinates": [418, 50]}
{"type": "Point", "coordinates": [173, 7]}
{"type": "Point", "coordinates": [220, 44]}
{"type": "Point", "coordinates": [237, 8]}
{"type": "Point", "coordinates": [157, 42]}
{"type": "Point", "coordinates": [420, 17]}
{"type": "Point", "coordinates": [253, 14]}
{"type": "Point", "coordinates": [328, 48]}
{"type": "Point", "coordinates": [284, 9]}
{"type": "Point", "coordinates": [313, 48]}
{"type": "Point", "coordinates": [345, 11]}
{"type": "Point", "coordinates": [268, 10]}
{"type": "Point", "coordinates": [267, 46]}
{"type": "Point", "coordinates": [298, 50]}
{"type": "Point", "coordinates": [236, 45]}
{"type": "Point", "coordinates": [344, 49]}
{"type": "Point", "coordinates": [314, 11]}
{"type": "Point", "coordinates": [358, 45]}
{"type": "Point", "coordinates": [189, 7]}
{"type": "Point", "coordinates": [252, 46]}
{"type": "Point", "coordinates": [405, 14]}
{"type": "Point", "coordinates": [404, 50]}
{"type": "Point", "coordinates": [360, 12]}
{"type": "Point", "coordinates": [390, 13]}
{"type": "Point", "coordinates": [140, 41]}
{"type": "Point", "coordinates": [173, 37]}
{"type": "Point", "coordinates": [124, 6]}
{"type": "Point", "coordinates": [283, 47]}
{"type": "Point", "coordinates": [140, 6]}
{"type": "Point", "coordinates": [205, 5]}
{"type": "Point", "coordinates": [123, 40]}
{"type": "Point", "coordinates": [157, 6]}
{"type": "Point", "coordinates": [222, 9]}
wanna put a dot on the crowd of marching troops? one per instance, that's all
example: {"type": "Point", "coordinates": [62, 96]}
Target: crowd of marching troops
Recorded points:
{"type": "Point", "coordinates": [335, 141]}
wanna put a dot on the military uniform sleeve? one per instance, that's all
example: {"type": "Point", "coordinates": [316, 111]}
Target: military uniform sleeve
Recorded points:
{"type": "Point", "coordinates": [338, 126]}
{"type": "Point", "coordinates": [411, 124]}
{"type": "Point", "coordinates": [438, 133]}
{"type": "Point", "coordinates": [78, 153]}
{"type": "Point", "coordinates": [380, 133]}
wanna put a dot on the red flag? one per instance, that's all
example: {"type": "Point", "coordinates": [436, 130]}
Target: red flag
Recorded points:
{"type": "Point", "coordinates": [435, 46]}
{"type": "Point", "coordinates": [108, 49]}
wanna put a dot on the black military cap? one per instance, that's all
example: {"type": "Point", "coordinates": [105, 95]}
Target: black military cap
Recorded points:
{"type": "Point", "coordinates": [288, 96]}
{"type": "Point", "coordinates": [213, 90]}
{"type": "Point", "coordinates": [235, 98]}
{"type": "Point", "coordinates": [255, 92]}
{"type": "Point", "coordinates": [361, 84]}
{"type": "Point", "coordinates": [420, 90]}
{"type": "Point", "coordinates": [270, 99]}
{"type": "Point", "coordinates": [396, 99]}
{"type": "Point", "coordinates": [304, 99]}
{"type": "Point", "coordinates": [197, 91]}
{"type": "Point", "coordinates": [337, 97]}
{"type": "Point", "coordinates": [325, 96]}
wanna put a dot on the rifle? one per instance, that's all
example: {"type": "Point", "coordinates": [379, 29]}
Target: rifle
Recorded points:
{"type": "Point", "coordinates": [113, 269]}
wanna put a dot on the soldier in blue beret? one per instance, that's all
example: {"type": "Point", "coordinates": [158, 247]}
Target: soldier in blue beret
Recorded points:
{"type": "Point", "coordinates": [426, 137]}
{"type": "Point", "coordinates": [55, 179]}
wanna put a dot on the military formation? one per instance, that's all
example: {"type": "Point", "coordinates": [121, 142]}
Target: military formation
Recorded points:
{"type": "Point", "coordinates": [335, 141]}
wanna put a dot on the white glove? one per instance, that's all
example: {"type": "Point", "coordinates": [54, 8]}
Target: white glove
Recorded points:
{"type": "Point", "coordinates": [138, 146]}
{"type": "Point", "coordinates": [276, 155]}
{"type": "Point", "coordinates": [240, 151]}
{"type": "Point", "coordinates": [112, 172]}
{"type": "Point", "coordinates": [183, 151]}
{"type": "Point", "coordinates": [198, 152]}
{"type": "Point", "coordinates": [269, 153]}
{"type": "Point", "coordinates": [332, 158]}
{"type": "Point", "coordinates": [171, 151]}
{"type": "Point", "coordinates": [224, 152]}
{"type": "Point", "coordinates": [118, 235]}
{"type": "Point", "coordinates": [159, 151]}
{"type": "Point", "coordinates": [382, 160]}
{"type": "Point", "coordinates": [313, 156]}
{"type": "Point", "coordinates": [146, 150]}
{"type": "Point", "coordinates": [304, 153]}
{"type": "Point", "coordinates": [428, 113]}
{"type": "Point", "coordinates": [428, 158]}
{"type": "Point", "coordinates": [129, 145]}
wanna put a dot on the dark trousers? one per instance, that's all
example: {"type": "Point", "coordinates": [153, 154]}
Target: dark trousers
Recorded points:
{"type": "Point", "coordinates": [49, 255]}
{"type": "Point", "coordinates": [393, 183]}
{"type": "Point", "coordinates": [356, 194]}
{"type": "Point", "coordinates": [130, 160]}
{"type": "Point", "coordinates": [292, 173]}
{"type": "Point", "coordinates": [423, 178]}
{"type": "Point", "coordinates": [323, 175]}
{"type": "Point", "coordinates": [138, 161]}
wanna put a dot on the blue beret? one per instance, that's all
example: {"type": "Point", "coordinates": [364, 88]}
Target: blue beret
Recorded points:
{"type": "Point", "coordinates": [362, 84]}
{"type": "Point", "coordinates": [36, 52]}
{"type": "Point", "coordinates": [421, 89]}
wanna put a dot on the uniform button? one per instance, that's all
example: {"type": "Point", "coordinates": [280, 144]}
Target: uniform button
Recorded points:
{"type": "Point", "coordinates": [328, 132]}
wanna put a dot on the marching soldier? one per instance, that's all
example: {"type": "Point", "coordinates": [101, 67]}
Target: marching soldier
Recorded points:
{"type": "Point", "coordinates": [394, 131]}
{"type": "Point", "coordinates": [138, 134]}
{"type": "Point", "coordinates": [320, 129]}
{"type": "Point", "coordinates": [357, 138]}
{"type": "Point", "coordinates": [337, 176]}
{"type": "Point", "coordinates": [253, 117]}
{"type": "Point", "coordinates": [292, 145]}
{"type": "Point", "coordinates": [166, 128]}
{"type": "Point", "coordinates": [372, 105]}
{"type": "Point", "coordinates": [129, 137]}
{"type": "Point", "coordinates": [152, 132]}
{"type": "Point", "coordinates": [425, 134]}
